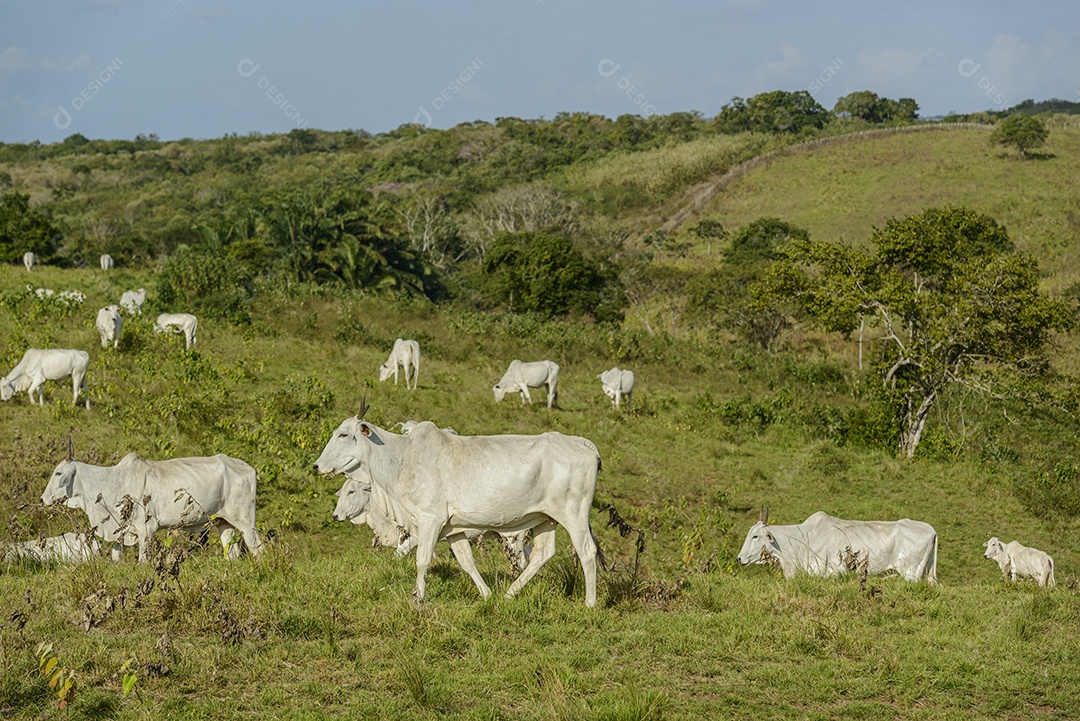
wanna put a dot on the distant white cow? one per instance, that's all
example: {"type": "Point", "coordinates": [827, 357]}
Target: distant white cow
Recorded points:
{"type": "Point", "coordinates": [520, 377]}
{"type": "Point", "coordinates": [818, 545]}
{"type": "Point", "coordinates": [29, 260]}
{"type": "Point", "coordinates": [184, 323]}
{"type": "Point", "coordinates": [106, 262]}
{"type": "Point", "coordinates": [108, 325]}
{"type": "Point", "coordinates": [406, 354]}
{"type": "Point", "coordinates": [1017, 561]}
{"type": "Point", "coordinates": [132, 300]}
{"type": "Point", "coordinates": [69, 548]}
{"type": "Point", "coordinates": [618, 384]}
{"type": "Point", "coordinates": [38, 366]}
{"type": "Point", "coordinates": [128, 502]}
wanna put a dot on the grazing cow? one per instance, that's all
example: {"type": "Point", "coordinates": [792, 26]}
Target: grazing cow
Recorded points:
{"type": "Point", "coordinates": [520, 377]}
{"type": "Point", "coordinates": [435, 484]}
{"type": "Point", "coordinates": [128, 502]}
{"type": "Point", "coordinates": [29, 260]}
{"type": "Point", "coordinates": [618, 384]}
{"type": "Point", "coordinates": [184, 323]}
{"type": "Point", "coordinates": [132, 300]}
{"type": "Point", "coordinates": [406, 353]}
{"type": "Point", "coordinates": [108, 324]}
{"type": "Point", "coordinates": [106, 262]}
{"type": "Point", "coordinates": [71, 547]}
{"type": "Point", "coordinates": [818, 545]}
{"type": "Point", "coordinates": [1017, 561]}
{"type": "Point", "coordinates": [38, 366]}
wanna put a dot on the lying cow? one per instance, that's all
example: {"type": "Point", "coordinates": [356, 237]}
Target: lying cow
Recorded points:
{"type": "Point", "coordinates": [405, 354]}
{"type": "Point", "coordinates": [618, 384]}
{"type": "Point", "coordinates": [184, 323]}
{"type": "Point", "coordinates": [1017, 561]}
{"type": "Point", "coordinates": [132, 300]}
{"type": "Point", "coordinates": [128, 502]}
{"type": "Point", "coordinates": [69, 548]}
{"type": "Point", "coordinates": [108, 325]}
{"type": "Point", "coordinates": [520, 377]}
{"type": "Point", "coordinates": [437, 484]}
{"type": "Point", "coordinates": [38, 366]}
{"type": "Point", "coordinates": [818, 546]}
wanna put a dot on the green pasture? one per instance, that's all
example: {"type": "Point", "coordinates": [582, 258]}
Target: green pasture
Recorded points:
{"type": "Point", "coordinates": [323, 626]}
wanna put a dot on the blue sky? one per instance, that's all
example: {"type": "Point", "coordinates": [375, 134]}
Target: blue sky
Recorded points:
{"type": "Point", "coordinates": [205, 68]}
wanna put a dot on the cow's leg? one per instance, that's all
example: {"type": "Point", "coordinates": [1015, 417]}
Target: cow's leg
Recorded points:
{"type": "Point", "coordinates": [463, 553]}
{"type": "Point", "coordinates": [228, 549]}
{"type": "Point", "coordinates": [543, 551]}
{"type": "Point", "coordinates": [35, 387]}
{"type": "Point", "coordinates": [427, 536]}
{"type": "Point", "coordinates": [585, 547]}
{"type": "Point", "coordinates": [117, 551]}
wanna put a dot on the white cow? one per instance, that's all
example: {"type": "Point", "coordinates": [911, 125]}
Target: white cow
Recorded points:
{"type": "Point", "coordinates": [184, 323]}
{"type": "Point", "coordinates": [38, 366]}
{"type": "Point", "coordinates": [618, 384]}
{"type": "Point", "coordinates": [71, 547]}
{"type": "Point", "coordinates": [186, 493]}
{"type": "Point", "coordinates": [817, 546]}
{"type": "Point", "coordinates": [520, 377]}
{"type": "Point", "coordinates": [108, 325]}
{"type": "Point", "coordinates": [1017, 561]}
{"type": "Point", "coordinates": [106, 262]}
{"type": "Point", "coordinates": [406, 354]}
{"type": "Point", "coordinates": [29, 260]}
{"type": "Point", "coordinates": [132, 300]}
{"type": "Point", "coordinates": [436, 484]}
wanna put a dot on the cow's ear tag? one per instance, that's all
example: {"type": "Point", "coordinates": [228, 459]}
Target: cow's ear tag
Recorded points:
{"type": "Point", "coordinates": [365, 430]}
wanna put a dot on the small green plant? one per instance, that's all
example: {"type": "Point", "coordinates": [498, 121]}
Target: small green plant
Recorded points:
{"type": "Point", "coordinates": [61, 678]}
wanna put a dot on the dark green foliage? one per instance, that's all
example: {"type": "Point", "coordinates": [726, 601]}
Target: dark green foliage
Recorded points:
{"type": "Point", "coordinates": [547, 273]}
{"type": "Point", "coordinates": [871, 108]}
{"type": "Point", "coordinates": [1022, 132]}
{"type": "Point", "coordinates": [207, 284]}
{"type": "Point", "coordinates": [778, 111]}
{"type": "Point", "coordinates": [23, 229]}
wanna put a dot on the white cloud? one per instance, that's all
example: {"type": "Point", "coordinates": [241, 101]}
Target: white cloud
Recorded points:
{"type": "Point", "coordinates": [883, 68]}
{"type": "Point", "coordinates": [11, 60]}
{"type": "Point", "coordinates": [770, 71]}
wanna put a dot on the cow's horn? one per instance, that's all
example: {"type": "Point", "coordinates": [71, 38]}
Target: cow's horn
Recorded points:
{"type": "Point", "coordinates": [71, 448]}
{"type": "Point", "coordinates": [363, 409]}
{"type": "Point", "coordinates": [766, 519]}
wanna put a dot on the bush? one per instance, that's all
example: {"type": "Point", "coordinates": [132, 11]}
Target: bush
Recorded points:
{"type": "Point", "coordinates": [207, 283]}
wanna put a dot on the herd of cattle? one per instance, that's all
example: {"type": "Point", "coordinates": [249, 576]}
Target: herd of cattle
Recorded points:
{"type": "Point", "coordinates": [428, 484]}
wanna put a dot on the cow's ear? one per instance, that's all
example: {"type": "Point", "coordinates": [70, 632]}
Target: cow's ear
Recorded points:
{"type": "Point", "coordinates": [770, 537]}
{"type": "Point", "coordinates": [365, 430]}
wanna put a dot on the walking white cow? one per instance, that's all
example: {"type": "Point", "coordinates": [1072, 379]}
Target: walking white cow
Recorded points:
{"type": "Point", "coordinates": [106, 262]}
{"type": "Point", "coordinates": [819, 545]}
{"type": "Point", "coordinates": [108, 325]}
{"type": "Point", "coordinates": [406, 354]}
{"type": "Point", "coordinates": [29, 260]}
{"type": "Point", "coordinates": [1018, 561]}
{"type": "Point", "coordinates": [38, 366]}
{"type": "Point", "coordinates": [618, 384]}
{"type": "Point", "coordinates": [184, 323]}
{"type": "Point", "coordinates": [520, 377]}
{"type": "Point", "coordinates": [437, 484]}
{"type": "Point", "coordinates": [128, 502]}
{"type": "Point", "coordinates": [132, 300]}
{"type": "Point", "coordinates": [71, 547]}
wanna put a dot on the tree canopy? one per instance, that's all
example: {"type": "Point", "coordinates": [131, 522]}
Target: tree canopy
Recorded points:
{"type": "Point", "coordinates": [778, 111]}
{"type": "Point", "coordinates": [952, 299]}
{"type": "Point", "coordinates": [1022, 132]}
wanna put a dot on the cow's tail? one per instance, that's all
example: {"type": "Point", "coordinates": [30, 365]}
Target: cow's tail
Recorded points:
{"type": "Point", "coordinates": [1050, 578]}
{"type": "Point", "coordinates": [931, 574]}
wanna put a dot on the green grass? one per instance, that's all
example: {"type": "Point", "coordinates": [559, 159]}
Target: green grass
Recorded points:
{"type": "Point", "coordinates": [323, 626]}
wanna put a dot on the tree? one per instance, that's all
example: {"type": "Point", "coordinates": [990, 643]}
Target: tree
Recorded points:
{"type": "Point", "coordinates": [955, 302]}
{"type": "Point", "coordinates": [872, 108]}
{"type": "Point", "coordinates": [724, 295]}
{"type": "Point", "coordinates": [23, 228]}
{"type": "Point", "coordinates": [545, 272]}
{"type": "Point", "coordinates": [1023, 132]}
{"type": "Point", "coordinates": [778, 111]}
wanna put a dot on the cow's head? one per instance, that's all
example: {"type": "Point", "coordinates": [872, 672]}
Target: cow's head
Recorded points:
{"type": "Point", "coordinates": [500, 392]}
{"type": "Point", "coordinates": [385, 371]}
{"type": "Point", "coordinates": [353, 498]}
{"type": "Point", "coordinates": [7, 389]}
{"type": "Point", "coordinates": [60, 486]}
{"type": "Point", "coordinates": [759, 545]}
{"type": "Point", "coordinates": [349, 445]}
{"type": "Point", "coordinates": [994, 548]}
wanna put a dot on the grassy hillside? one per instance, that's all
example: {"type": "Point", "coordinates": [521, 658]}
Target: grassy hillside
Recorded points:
{"type": "Point", "coordinates": [322, 625]}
